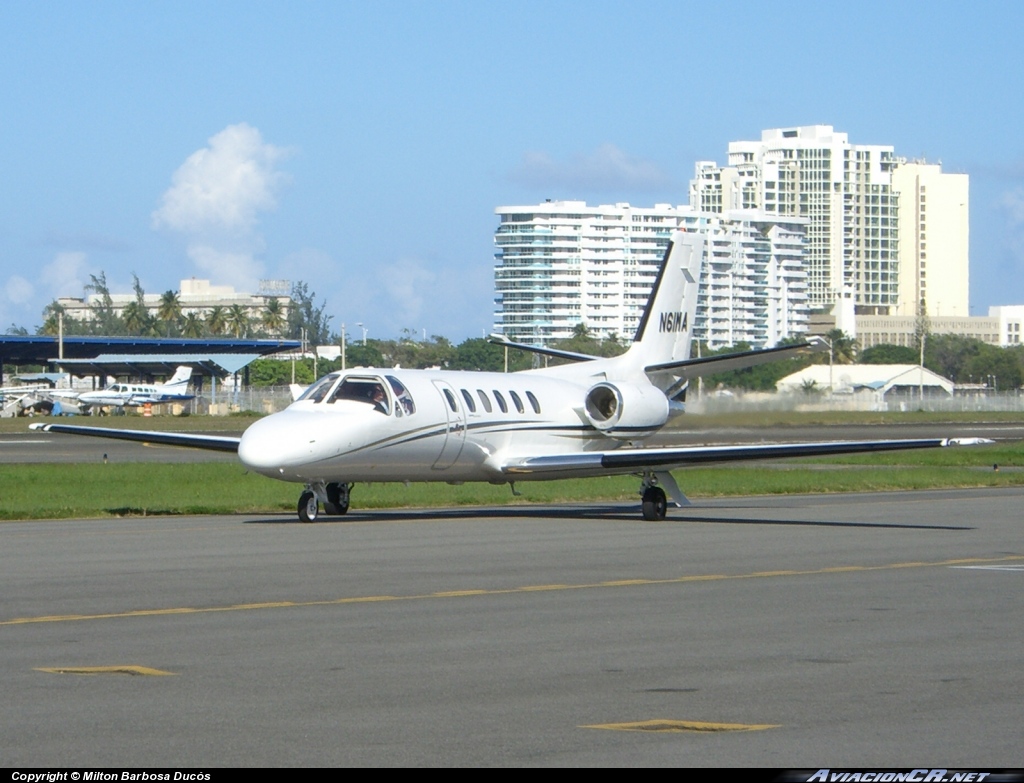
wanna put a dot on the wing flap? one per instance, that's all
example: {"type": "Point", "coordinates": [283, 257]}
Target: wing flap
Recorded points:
{"type": "Point", "coordinates": [187, 440]}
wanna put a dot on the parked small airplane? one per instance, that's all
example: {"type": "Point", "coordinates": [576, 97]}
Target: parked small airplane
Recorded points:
{"type": "Point", "coordinates": [589, 418]}
{"type": "Point", "coordinates": [133, 395]}
{"type": "Point", "coordinates": [14, 399]}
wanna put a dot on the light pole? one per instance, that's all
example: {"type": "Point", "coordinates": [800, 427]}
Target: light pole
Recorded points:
{"type": "Point", "coordinates": [343, 346]}
{"type": "Point", "coordinates": [365, 330]}
{"type": "Point", "coordinates": [831, 354]}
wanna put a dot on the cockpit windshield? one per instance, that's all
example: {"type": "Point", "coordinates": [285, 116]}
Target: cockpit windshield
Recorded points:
{"type": "Point", "coordinates": [318, 390]}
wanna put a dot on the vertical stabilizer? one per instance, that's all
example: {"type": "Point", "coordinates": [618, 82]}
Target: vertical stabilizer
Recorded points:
{"type": "Point", "coordinates": [667, 322]}
{"type": "Point", "coordinates": [179, 381]}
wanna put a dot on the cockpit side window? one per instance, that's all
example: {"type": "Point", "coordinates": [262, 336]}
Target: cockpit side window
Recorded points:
{"type": "Point", "coordinates": [501, 401]}
{"type": "Point", "coordinates": [469, 401]}
{"type": "Point", "coordinates": [484, 400]}
{"type": "Point", "coordinates": [404, 399]}
{"type": "Point", "coordinates": [368, 390]}
{"type": "Point", "coordinates": [519, 403]}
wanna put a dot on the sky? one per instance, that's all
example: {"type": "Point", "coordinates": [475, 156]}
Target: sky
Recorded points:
{"type": "Point", "coordinates": [363, 147]}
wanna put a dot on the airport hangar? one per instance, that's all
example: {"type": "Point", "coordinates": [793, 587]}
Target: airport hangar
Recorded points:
{"type": "Point", "coordinates": [141, 358]}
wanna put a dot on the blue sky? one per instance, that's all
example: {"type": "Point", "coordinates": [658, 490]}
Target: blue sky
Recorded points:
{"type": "Point", "coordinates": [363, 147]}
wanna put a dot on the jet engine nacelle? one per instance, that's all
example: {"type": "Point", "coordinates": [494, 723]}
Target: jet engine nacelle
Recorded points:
{"type": "Point", "coordinates": [626, 411]}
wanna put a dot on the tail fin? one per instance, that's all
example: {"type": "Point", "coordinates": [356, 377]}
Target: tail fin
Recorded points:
{"type": "Point", "coordinates": [667, 323]}
{"type": "Point", "coordinates": [179, 381]}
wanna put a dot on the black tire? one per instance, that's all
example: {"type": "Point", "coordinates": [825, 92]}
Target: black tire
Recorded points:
{"type": "Point", "coordinates": [655, 504]}
{"type": "Point", "coordinates": [309, 507]}
{"type": "Point", "coordinates": [337, 494]}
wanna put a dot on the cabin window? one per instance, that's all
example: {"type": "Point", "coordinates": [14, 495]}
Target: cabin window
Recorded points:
{"type": "Point", "coordinates": [404, 399]}
{"type": "Point", "coordinates": [533, 401]}
{"type": "Point", "coordinates": [484, 399]}
{"type": "Point", "coordinates": [469, 401]}
{"type": "Point", "coordinates": [451, 401]}
{"type": "Point", "coordinates": [501, 401]}
{"type": "Point", "coordinates": [517, 401]}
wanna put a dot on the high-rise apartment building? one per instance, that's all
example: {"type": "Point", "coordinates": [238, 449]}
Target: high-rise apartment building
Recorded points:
{"type": "Point", "coordinates": [844, 190]}
{"type": "Point", "coordinates": [562, 263]}
{"type": "Point", "coordinates": [933, 241]}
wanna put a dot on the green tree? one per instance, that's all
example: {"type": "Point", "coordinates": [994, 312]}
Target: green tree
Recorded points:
{"type": "Point", "coordinates": [237, 321]}
{"type": "Point", "coordinates": [844, 347]}
{"type": "Point", "coordinates": [216, 321]}
{"type": "Point", "coordinates": [169, 311]}
{"type": "Point", "coordinates": [478, 353]}
{"type": "Point", "coordinates": [359, 355]}
{"type": "Point", "coordinates": [104, 320]}
{"type": "Point", "coordinates": [273, 317]}
{"type": "Point", "coordinates": [304, 315]}
{"type": "Point", "coordinates": [888, 354]}
{"type": "Point", "coordinates": [192, 325]}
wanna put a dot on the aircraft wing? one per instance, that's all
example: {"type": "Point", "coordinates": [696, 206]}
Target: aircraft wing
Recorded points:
{"type": "Point", "coordinates": [207, 442]}
{"type": "Point", "coordinates": [709, 365]}
{"type": "Point", "coordinates": [632, 460]}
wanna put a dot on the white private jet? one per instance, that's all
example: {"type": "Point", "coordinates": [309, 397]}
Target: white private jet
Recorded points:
{"type": "Point", "coordinates": [133, 395]}
{"type": "Point", "coordinates": [589, 418]}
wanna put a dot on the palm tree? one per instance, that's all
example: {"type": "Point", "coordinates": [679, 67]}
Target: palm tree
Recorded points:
{"type": "Point", "coordinates": [273, 317]}
{"type": "Point", "coordinates": [237, 320]}
{"type": "Point", "coordinates": [844, 347]}
{"type": "Point", "coordinates": [169, 310]}
{"type": "Point", "coordinates": [215, 320]}
{"type": "Point", "coordinates": [136, 318]}
{"type": "Point", "coordinates": [192, 325]}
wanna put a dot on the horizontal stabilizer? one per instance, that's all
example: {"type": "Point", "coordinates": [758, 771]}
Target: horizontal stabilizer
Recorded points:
{"type": "Point", "coordinates": [710, 365]}
{"type": "Point", "coordinates": [499, 339]}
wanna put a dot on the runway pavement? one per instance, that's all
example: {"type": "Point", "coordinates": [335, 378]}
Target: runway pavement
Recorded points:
{"type": "Point", "coordinates": [839, 631]}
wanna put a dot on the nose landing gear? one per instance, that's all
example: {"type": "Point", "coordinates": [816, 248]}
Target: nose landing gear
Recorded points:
{"type": "Point", "coordinates": [334, 496]}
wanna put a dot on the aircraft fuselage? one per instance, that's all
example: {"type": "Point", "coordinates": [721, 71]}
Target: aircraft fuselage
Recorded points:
{"type": "Point", "coordinates": [429, 426]}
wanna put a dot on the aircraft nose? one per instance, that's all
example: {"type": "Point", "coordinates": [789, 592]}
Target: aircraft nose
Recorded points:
{"type": "Point", "coordinates": [273, 445]}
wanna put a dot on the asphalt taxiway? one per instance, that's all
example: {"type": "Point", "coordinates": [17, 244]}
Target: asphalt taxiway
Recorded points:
{"type": "Point", "coordinates": [807, 631]}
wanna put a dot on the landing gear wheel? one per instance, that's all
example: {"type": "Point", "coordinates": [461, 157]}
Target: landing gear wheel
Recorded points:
{"type": "Point", "coordinates": [309, 507]}
{"type": "Point", "coordinates": [655, 504]}
{"type": "Point", "coordinates": [337, 499]}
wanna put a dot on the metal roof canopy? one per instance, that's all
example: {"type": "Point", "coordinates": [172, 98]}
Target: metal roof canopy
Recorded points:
{"type": "Point", "coordinates": [39, 349]}
{"type": "Point", "coordinates": [148, 365]}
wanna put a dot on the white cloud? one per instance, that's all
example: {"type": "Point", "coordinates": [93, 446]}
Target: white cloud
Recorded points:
{"type": "Point", "coordinates": [215, 200]}
{"type": "Point", "coordinates": [18, 290]}
{"type": "Point", "coordinates": [1012, 203]}
{"type": "Point", "coordinates": [607, 168]}
{"type": "Point", "coordinates": [224, 186]}
{"type": "Point", "coordinates": [66, 275]}
{"type": "Point", "coordinates": [406, 283]}
{"type": "Point", "coordinates": [225, 267]}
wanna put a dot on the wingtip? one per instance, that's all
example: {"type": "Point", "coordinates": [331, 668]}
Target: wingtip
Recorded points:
{"type": "Point", "coordinates": [968, 442]}
{"type": "Point", "coordinates": [39, 425]}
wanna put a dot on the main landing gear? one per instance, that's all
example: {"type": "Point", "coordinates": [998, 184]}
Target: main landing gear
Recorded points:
{"type": "Point", "coordinates": [335, 497]}
{"type": "Point", "coordinates": [654, 502]}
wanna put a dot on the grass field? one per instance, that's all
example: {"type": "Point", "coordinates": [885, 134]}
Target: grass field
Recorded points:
{"type": "Point", "coordinates": [43, 491]}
